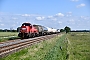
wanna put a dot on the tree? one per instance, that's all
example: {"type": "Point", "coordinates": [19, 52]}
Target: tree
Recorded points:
{"type": "Point", "coordinates": [67, 29]}
{"type": "Point", "coordinates": [61, 30]}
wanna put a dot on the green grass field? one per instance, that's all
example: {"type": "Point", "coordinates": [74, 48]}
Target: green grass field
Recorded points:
{"type": "Point", "coordinates": [75, 46]}
{"type": "Point", "coordinates": [4, 36]}
{"type": "Point", "coordinates": [79, 46]}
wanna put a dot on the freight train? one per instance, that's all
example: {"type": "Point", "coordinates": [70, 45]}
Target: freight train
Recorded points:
{"type": "Point", "coordinates": [28, 30]}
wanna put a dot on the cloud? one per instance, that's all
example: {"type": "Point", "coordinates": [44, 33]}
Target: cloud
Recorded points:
{"type": "Point", "coordinates": [81, 5]}
{"type": "Point", "coordinates": [59, 15]}
{"type": "Point", "coordinates": [71, 20]}
{"type": "Point", "coordinates": [50, 17]}
{"type": "Point", "coordinates": [40, 18]}
{"type": "Point", "coordinates": [60, 22]}
{"type": "Point", "coordinates": [2, 24]}
{"type": "Point", "coordinates": [82, 16]}
{"type": "Point", "coordinates": [74, 0]}
{"type": "Point", "coordinates": [68, 15]}
{"type": "Point", "coordinates": [14, 18]}
{"type": "Point", "coordinates": [54, 19]}
{"type": "Point", "coordinates": [85, 17]}
{"type": "Point", "coordinates": [26, 15]}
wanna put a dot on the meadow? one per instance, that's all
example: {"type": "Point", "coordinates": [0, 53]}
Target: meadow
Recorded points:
{"type": "Point", "coordinates": [4, 36]}
{"type": "Point", "coordinates": [79, 46]}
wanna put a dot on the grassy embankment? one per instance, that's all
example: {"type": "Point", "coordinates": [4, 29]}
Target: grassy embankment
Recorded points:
{"type": "Point", "coordinates": [4, 36]}
{"type": "Point", "coordinates": [45, 50]}
{"type": "Point", "coordinates": [79, 46]}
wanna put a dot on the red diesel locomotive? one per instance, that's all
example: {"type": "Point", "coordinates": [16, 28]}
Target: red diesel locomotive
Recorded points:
{"type": "Point", "coordinates": [27, 30]}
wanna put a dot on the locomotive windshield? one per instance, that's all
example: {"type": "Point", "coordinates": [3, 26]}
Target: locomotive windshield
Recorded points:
{"type": "Point", "coordinates": [26, 24]}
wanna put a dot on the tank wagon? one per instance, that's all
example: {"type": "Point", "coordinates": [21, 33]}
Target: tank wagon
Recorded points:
{"type": "Point", "coordinates": [52, 30]}
{"type": "Point", "coordinates": [45, 30]}
{"type": "Point", "coordinates": [41, 29]}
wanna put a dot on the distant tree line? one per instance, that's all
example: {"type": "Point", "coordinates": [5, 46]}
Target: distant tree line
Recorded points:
{"type": "Point", "coordinates": [80, 31]}
{"type": "Point", "coordinates": [10, 30]}
{"type": "Point", "coordinates": [68, 29]}
{"type": "Point", "coordinates": [7, 30]}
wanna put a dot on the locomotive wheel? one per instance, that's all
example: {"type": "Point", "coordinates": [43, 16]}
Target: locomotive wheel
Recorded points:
{"type": "Point", "coordinates": [33, 34]}
{"type": "Point", "coordinates": [27, 35]}
{"type": "Point", "coordinates": [22, 36]}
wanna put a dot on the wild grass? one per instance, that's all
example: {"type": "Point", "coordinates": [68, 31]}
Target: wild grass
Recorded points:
{"type": "Point", "coordinates": [45, 50]}
{"type": "Point", "coordinates": [79, 46]}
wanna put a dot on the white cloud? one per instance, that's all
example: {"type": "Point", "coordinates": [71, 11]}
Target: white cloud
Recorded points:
{"type": "Point", "coordinates": [71, 20]}
{"type": "Point", "coordinates": [85, 17]}
{"type": "Point", "coordinates": [40, 18]}
{"type": "Point", "coordinates": [82, 16]}
{"type": "Point", "coordinates": [60, 14]}
{"type": "Point", "coordinates": [14, 18]}
{"type": "Point", "coordinates": [60, 22]}
{"type": "Point", "coordinates": [54, 19]}
{"type": "Point", "coordinates": [74, 0]}
{"type": "Point", "coordinates": [68, 15]}
{"type": "Point", "coordinates": [25, 15]}
{"type": "Point", "coordinates": [50, 17]}
{"type": "Point", "coordinates": [2, 24]}
{"type": "Point", "coordinates": [81, 5]}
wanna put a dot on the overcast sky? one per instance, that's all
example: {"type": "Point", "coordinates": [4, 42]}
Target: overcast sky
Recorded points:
{"type": "Point", "coordinates": [49, 13]}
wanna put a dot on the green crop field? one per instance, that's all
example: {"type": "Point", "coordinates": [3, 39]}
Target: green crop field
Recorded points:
{"type": "Point", "coordinates": [79, 46]}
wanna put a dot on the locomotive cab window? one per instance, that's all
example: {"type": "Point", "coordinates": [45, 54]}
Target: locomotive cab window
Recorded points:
{"type": "Point", "coordinates": [26, 24]}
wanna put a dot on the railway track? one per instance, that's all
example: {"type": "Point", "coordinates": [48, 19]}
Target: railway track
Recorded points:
{"type": "Point", "coordinates": [10, 47]}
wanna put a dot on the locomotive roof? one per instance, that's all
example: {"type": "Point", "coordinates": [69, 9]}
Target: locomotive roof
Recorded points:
{"type": "Point", "coordinates": [26, 23]}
